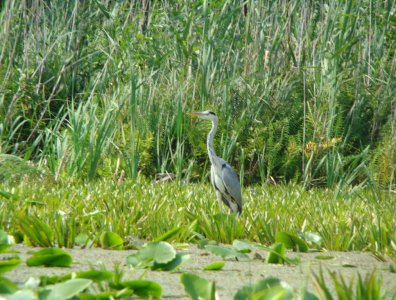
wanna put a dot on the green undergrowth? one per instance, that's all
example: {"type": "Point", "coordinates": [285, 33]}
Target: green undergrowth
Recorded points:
{"type": "Point", "coordinates": [65, 214]}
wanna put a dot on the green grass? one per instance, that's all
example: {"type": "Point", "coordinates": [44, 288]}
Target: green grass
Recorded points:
{"type": "Point", "coordinates": [352, 220]}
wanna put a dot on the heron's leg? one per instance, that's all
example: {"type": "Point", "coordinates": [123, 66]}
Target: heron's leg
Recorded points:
{"type": "Point", "coordinates": [219, 201]}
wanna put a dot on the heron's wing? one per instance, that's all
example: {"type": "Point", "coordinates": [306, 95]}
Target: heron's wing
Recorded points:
{"type": "Point", "coordinates": [231, 183]}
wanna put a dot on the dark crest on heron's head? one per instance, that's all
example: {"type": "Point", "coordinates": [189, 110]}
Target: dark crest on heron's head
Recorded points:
{"type": "Point", "coordinates": [211, 112]}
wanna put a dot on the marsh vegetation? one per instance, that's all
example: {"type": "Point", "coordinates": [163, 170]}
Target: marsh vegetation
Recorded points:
{"type": "Point", "coordinates": [93, 96]}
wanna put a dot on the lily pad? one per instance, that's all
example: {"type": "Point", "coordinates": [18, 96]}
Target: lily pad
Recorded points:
{"type": "Point", "coordinates": [151, 254]}
{"type": "Point", "coordinates": [291, 241]}
{"type": "Point", "coordinates": [111, 240]}
{"type": "Point", "coordinates": [226, 252]}
{"type": "Point", "coordinates": [67, 289]}
{"type": "Point", "coordinates": [50, 257]}
{"type": "Point", "coordinates": [198, 288]}
{"type": "Point", "coordinates": [324, 257]}
{"type": "Point", "coordinates": [7, 286]}
{"type": "Point", "coordinates": [9, 264]}
{"type": "Point", "coordinates": [144, 288]}
{"type": "Point", "coordinates": [276, 256]}
{"type": "Point", "coordinates": [265, 289]}
{"type": "Point", "coordinates": [217, 265]}
{"type": "Point", "coordinates": [174, 264]}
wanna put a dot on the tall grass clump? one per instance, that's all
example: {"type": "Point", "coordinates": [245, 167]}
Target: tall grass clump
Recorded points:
{"type": "Point", "coordinates": [304, 90]}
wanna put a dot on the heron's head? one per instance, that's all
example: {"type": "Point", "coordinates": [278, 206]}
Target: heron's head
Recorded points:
{"type": "Point", "coordinates": [206, 115]}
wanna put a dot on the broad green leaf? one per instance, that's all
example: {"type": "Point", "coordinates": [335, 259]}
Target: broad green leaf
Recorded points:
{"type": "Point", "coordinates": [276, 256]}
{"type": "Point", "coordinates": [203, 243]}
{"type": "Point", "coordinates": [198, 288]}
{"type": "Point", "coordinates": [9, 264]}
{"type": "Point", "coordinates": [226, 252]}
{"type": "Point", "coordinates": [144, 288]}
{"type": "Point", "coordinates": [82, 239]}
{"type": "Point", "coordinates": [242, 246]}
{"type": "Point", "coordinates": [392, 268]}
{"type": "Point", "coordinates": [94, 275]}
{"type": "Point", "coordinates": [124, 293]}
{"type": "Point", "coordinates": [265, 289]}
{"type": "Point", "coordinates": [67, 289]}
{"type": "Point", "coordinates": [174, 264]}
{"type": "Point", "coordinates": [346, 265]}
{"type": "Point", "coordinates": [7, 286]}
{"type": "Point", "coordinates": [274, 293]}
{"type": "Point", "coordinates": [312, 238]}
{"type": "Point", "coordinates": [217, 265]}
{"type": "Point", "coordinates": [291, 241]}
{"type": "Point", "coordinates": [3, 237]}
{"type": "Point", "coordinates": [169, 234]}
{"type": "Point", "coordinates": [159, 252]}
{"type": "Point", "coordinates": [4, 247]}
{"type": "Point", "coordinates": [111, 240]}
{"type": "Point", "coordinates": [308, 296]}
{"type": "Point", "coordinates": [180, 245]}
{"type": "Point", "coordinates": [50, 257]}
{"type": "Point", "coordinates": [324, 257]}
{"type": "Point", "coordinates": [23, 295]}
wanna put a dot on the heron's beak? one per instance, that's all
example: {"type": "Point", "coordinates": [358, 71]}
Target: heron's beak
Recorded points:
{"type": "Point", "coordinates": [196, 114]}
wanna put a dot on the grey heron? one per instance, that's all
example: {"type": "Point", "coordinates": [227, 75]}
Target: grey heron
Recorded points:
{"type": "Point", "coordinates": [223, 178]}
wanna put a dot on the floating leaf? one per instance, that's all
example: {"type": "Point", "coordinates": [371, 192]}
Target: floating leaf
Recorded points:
{"type": "Point", "coordinates": [144, 288]}
{"type": "Point", "coordinates": [23, 295]}
{"type": "Point", "coordinates": [242, 246]}
{"type": "Point", "coordinates": [50, 257]}
{"type": "Point", "coordinates": [4, 247]}
{"type": "Point", "coordinates": [277, 254]}
{"type": "Point", "coordinates": [9, 264]}
{"type": "Point", "coordinates": [268, 288]}
{"type": "Point", "coordinates": [198, 288]}
{"type": "Point", "coordinates": [82, 239]}
{"type": "Point", "coordinates": [291, 241]}
{"type": "Point", "coordinates": [217, 265]}
{"type": "Point", "coordinates": [67, 289]}
{"type": "Point", "coordinates": [312, 238]}
{"type": "Point", "coordinates": [114, 294]}
{"type": "Point", "coordinates": [392, 268]}
{"type": "Point", "coordinates": [180, 245]}
{"type": "Point", "coordinates": [226, 252]}
{"type": "Point", "coordinates": [203, 243]}
{"type": "Point", "coordinates": [346, 265]}
{"type": "Point", "coordinates": [174, 264]}
{"type": "Point", "coordinates": [7, 286]}
{"type": "Point", "coordinates": [324, 257]}
{"type": "Point", "coordinates": [94, 275]}
{"type": "Point", "coordinates": [308, 296]}
{"type": "Point", "coordinates": [154, 252]}
{"type": "Point", "coordinates": [159, 252]}
{"type": "Point", "coordinates": [111, 240]}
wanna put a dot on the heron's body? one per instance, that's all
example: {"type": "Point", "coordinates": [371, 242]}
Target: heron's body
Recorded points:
{"type": "Point", "coordinates": [223, 178]}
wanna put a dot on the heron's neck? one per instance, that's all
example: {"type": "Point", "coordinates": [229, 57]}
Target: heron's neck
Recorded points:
{"type": "Point", "coordinates": [209, 142]}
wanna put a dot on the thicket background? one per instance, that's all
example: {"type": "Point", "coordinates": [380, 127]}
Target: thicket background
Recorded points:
{"type": "Point", "coordinates": [304, 90]}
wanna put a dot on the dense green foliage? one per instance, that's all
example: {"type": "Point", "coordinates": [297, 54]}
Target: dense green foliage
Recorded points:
{"type": "Point", "coordinates": [304, 89]}
{"type": "Point", "coordinates": [56, 214]}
